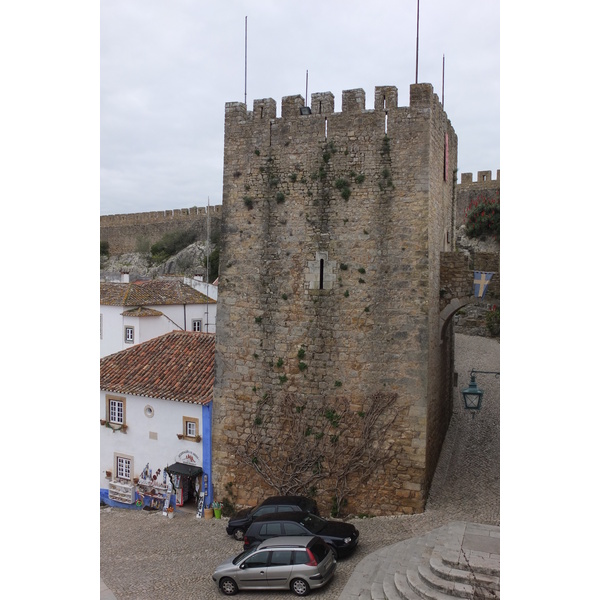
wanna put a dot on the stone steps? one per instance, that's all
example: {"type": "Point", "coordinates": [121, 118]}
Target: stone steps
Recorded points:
{"type": "Point", "coordinates": [459, 560]}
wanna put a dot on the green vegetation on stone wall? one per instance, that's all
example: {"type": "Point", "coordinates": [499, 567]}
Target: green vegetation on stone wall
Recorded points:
{"type": "Point", "coordinates": [171, 243]}
{"type": "Point", "coordinates": [482, 218]}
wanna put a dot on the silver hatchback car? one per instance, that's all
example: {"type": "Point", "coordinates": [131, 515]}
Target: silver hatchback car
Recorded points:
{"type": "Point", "coordinates": [299, 563]}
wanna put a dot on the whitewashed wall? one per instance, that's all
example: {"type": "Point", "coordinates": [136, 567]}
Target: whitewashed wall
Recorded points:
{"type": "Point", "coordinates": [166, 423]}
{"type": "Point", "coordinates": [174, 317]}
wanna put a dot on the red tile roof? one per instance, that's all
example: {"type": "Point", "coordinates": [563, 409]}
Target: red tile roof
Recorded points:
{"type": "Point", "coordinates": [151, 293]}
{"type": "Point", "coordinates": [176, 366]}
{"type": "Point", "coordinates": [141, 311]}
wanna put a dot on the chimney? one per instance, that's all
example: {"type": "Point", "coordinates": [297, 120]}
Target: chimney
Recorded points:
{"type": "Point", "coordinates": [124, 276]}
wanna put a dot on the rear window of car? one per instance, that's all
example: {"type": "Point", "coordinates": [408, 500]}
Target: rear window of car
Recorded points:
{"type": "Point", "coordinates": [264, 510]}
{"type": "Point", "coordinates": [280, 558]}
{"type": "Point", "coordinates": [301, 557]}
{"type": "Point", "coordinates": [287, 508]}
{"type": "Point", "coordinates": [319, 549]}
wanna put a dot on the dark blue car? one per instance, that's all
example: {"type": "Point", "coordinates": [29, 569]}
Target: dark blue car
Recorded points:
{"type": "Point", "coordinates": [275, 504]}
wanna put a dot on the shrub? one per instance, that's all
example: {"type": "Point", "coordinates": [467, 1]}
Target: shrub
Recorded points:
{"type": "Point", "coordinates": [171, 243]}
{"type": "Point", "coordinates": [103, 248]}
{"type": "Point", "coordinates": [482, 218]}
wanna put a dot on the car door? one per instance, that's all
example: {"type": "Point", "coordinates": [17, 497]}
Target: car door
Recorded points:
{"type": "Point", "coordinates": [291, 528]}
{"type": "Point", "coordinates": [279, 570]}
{"type": "Point", "coordinates": [253, 571]}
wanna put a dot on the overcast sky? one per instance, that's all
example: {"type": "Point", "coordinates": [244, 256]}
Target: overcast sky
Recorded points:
{"type": "Point", "coordinates": [168, 68]}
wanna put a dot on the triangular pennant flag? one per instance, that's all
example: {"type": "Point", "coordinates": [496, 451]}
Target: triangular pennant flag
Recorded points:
{"type": "Point", "coordinates": [480, 283]}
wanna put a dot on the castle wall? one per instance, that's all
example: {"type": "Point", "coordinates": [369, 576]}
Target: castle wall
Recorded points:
{"type": "Point", "coordinates": [468, 191]}
{"type": "Point", "coordinates": [123, 232]}
{"type": "Point", "coordinates": [333, 224]}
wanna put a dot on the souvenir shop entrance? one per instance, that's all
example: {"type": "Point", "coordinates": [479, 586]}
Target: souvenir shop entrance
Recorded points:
{"type": "Point", "coordinates": [187, 483]}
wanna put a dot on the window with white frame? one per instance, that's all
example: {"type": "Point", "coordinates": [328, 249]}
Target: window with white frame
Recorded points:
{"type": "Point", "coordinates": [116, 410]}
{"type": "Point", "coordinates": [129, 334]}
{"type": "Point", "coordinates": [124, 467]}
{"type": "Point", "coordinates": [196, 324]}
{"type": "Point", "coordinates": [190, 428]}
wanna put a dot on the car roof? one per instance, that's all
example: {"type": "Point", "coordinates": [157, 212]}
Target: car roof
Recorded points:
{"type": "Point", "coordinates": [284, 516]}
{"type": "Point", "coordinates": [298, 541]}
{"type": "Point", "coordinates": [287, 500]}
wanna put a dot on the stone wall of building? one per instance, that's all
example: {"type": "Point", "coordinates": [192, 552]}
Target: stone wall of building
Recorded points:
{"type": "Point", "coordinates": [468, 191]}
{"type": "Point", "coordinates": [333, 228]}
{"type": "Point", "coordinates": [124, 233]}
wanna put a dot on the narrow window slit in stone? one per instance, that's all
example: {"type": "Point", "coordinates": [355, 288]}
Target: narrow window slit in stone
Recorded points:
{"type": "Point", "coordinates": [321, 268]}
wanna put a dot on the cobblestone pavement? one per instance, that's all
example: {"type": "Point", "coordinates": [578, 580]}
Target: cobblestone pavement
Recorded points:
{"type": "Point", "coordinates": [144, 555]}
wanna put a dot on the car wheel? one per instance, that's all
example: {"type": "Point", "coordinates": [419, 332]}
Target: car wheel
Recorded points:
{"type": "Point", "coordinates": [238, 534]}
{"type": "Point", "coordinates": [300, 587]}
{"type": "Point", "coordinates": [228, 586]}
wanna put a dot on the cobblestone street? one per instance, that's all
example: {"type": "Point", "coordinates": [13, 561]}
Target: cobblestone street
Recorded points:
{"type": "Point", "coordinates": [145, 555]}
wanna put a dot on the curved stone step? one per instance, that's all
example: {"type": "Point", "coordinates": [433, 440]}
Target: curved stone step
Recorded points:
{"type": "Point", "coordinates": [449, 573]}
{"type": "Point", "coordinates": [440, 565]}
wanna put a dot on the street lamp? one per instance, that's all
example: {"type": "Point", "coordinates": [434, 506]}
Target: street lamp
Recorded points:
{"type": "Point", "coordinates": [472, 395]}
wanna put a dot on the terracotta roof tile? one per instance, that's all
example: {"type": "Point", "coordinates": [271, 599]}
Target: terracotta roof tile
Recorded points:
{"type": "Point", "coordinates": [141, 311]}
{"type": "Point", "coordinates": [179, 366]}
{"type": "Point", "coordinates": [151, 293]}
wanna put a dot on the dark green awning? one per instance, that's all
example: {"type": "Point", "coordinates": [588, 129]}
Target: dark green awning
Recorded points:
{"type": "Point", "coordinates": [183, 469]}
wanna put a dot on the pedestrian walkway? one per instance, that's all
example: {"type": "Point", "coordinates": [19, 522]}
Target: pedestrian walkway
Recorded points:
{"type": "Point", "coordinates": [456, 549]}
{"type": "Point", "coordinates": [105, 592]}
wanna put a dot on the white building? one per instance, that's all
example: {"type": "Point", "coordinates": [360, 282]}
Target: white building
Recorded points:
{"type": "Point", "coordinates": [132, 313]}
{"type": "Point", "coordinates": [155, 417]}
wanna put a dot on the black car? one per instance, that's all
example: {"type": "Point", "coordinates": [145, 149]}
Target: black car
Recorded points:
{"type": "Point", "coordinates": [275, 504]}
{"type": "Point", "coordinates": [341, 537]}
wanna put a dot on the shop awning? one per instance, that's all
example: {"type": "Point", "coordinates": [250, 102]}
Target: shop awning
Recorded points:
{"type": "Point", "coordinates": [184, 469]}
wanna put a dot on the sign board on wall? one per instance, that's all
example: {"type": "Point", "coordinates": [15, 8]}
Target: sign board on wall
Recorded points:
{"type": "Point", "coordinates": [188, 457]}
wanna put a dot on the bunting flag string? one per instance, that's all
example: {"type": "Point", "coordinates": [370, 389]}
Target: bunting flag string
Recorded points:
{"type": "Point", "coordinates": [480, 283]}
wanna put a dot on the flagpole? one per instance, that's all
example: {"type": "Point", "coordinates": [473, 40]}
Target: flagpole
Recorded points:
{"type": "Point", "coordinates": [207, 257]}
{"type": "Point", "coordinates": [245, 59]}
{"type": "Point", "coordinates": [417, 53]}
{"type": "Point", "coordinates": [443, 77]}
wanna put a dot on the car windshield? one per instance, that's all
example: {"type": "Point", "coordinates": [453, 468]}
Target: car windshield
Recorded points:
{"type": "Point", "coordinates": [242, 556]}
{"type": "Point", "coordinates": [313, 523]}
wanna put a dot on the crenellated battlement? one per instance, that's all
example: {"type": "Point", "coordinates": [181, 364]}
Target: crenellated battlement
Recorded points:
{"type": "Point", "coordinates": [483, 177]}
{"type": "Point", "coordinates": [323, 103]}
{"type": "Point", "coordinates": [123, 231]}
{"type": "Point", "coordinates": [159, 216]}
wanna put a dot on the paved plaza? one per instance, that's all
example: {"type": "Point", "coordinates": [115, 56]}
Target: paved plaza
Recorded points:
{"type": "Point", "coordinates": [145, 555]}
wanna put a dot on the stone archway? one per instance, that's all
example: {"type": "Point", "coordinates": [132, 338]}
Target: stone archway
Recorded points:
{"type": "Point", "coordinates": [450, 309]}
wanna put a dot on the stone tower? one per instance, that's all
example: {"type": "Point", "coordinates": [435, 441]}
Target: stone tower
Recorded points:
{"type": "Point", "coordinates": [333, 224]}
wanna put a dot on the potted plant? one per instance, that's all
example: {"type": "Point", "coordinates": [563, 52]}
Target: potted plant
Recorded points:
{"type": "Point", "coordinates": [217, 507]}
{"type": "Point", "coordinates": [108, 474]}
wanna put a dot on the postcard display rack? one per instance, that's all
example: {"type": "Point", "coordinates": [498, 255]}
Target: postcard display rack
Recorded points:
{"type": "Point", "coordinates": [153, 493]}
{"type": "Point", "coordinates": [121, 491]}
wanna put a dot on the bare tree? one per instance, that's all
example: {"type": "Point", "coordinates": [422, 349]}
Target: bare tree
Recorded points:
{"type": "Point", "coordinates": [301, 446]}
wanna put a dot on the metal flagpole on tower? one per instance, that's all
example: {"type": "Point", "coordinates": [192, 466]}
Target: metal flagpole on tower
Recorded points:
{"type": "Point", "coordinates": [207, 258]}
{"type": "Point", "coordinates": [417, 54]}
{"type": "Point", "coordinates": [245, 59]}
{"type": "Point", "coordinates": [443, 77]}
